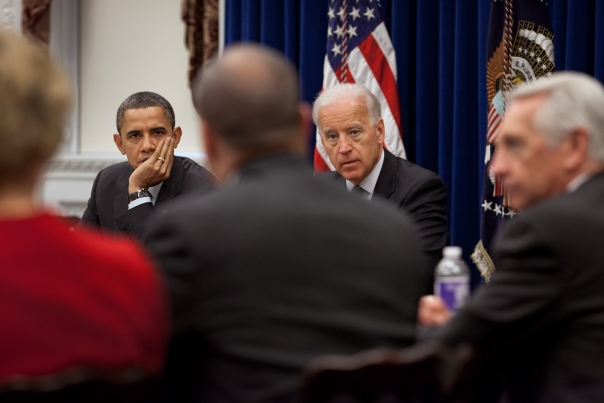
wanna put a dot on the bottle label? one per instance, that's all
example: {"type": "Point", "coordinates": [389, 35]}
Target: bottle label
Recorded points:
{"type": "Point", "coordinates": [454, 291]}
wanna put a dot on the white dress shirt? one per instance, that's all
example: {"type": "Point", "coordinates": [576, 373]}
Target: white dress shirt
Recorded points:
{"type": "Point", "coordinates": [370, 181]}
{"type": "Point", "coordinates": [578, 181]}
{"type": "Point", "coordinates": [154, 190]}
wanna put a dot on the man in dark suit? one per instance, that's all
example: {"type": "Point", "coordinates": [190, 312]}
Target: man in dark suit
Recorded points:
{"type": "Point", "coordinates": [278, 266]}
{"type": "Point", "coordinates": [541, 318]}
{"type": "Point", "coordinates": [349, 120]}
{"type": "Point", "coordinates": [125, 196]}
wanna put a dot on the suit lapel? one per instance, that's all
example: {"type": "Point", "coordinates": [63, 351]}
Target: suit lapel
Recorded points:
{"type": "Point", "coordinates": [120, 203]}
{"type": "Point", "coordinates": [386, 181]}
{"type": "Point", "coordinates": [173, 185]}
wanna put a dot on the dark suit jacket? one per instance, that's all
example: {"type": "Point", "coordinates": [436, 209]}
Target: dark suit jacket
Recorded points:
{"type": "Point", "coordinates": [419, 192]}
{"type": "Point", "coordinates": [277, 269]}
{"type": "Point", "coordinates": [543, 311]}
{"type": "Point", "coordinates": [108, 203]}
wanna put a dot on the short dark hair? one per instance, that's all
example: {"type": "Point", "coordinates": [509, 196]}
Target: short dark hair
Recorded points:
{"type": "Point", "coordinates": [141, 100]}
{"type": "Point", "coordinates": [250, 96]}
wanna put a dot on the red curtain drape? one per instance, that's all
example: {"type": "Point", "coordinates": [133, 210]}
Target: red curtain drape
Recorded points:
{"type": "Point", "coordinates": [35, 19]}
{"type": "Point", "coordinates": [201, 35]}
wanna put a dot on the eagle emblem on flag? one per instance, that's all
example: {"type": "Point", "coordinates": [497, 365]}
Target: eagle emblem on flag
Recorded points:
{"type": "Point", "coordinates": [520, 49]}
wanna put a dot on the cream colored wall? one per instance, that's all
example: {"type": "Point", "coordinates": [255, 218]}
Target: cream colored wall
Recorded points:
{"type": "Point", "coordinates": [129, 46]}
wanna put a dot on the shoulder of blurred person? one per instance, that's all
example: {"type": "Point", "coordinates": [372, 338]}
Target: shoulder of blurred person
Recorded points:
{"type": "Point", "coordinates": [277, 265]}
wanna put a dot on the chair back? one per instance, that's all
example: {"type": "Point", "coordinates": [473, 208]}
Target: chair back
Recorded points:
{"type": "Point", "coordinates": [426, 373]}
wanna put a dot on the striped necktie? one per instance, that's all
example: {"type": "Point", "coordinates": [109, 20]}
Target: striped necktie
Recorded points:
{"type": "Point", "coordinates": [360, 191]}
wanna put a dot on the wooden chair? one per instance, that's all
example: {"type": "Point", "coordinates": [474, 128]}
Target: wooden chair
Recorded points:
{"type": "Point", "coordinates": [90, 391]}
{"type": "Point", "coordinates": [426, 373]}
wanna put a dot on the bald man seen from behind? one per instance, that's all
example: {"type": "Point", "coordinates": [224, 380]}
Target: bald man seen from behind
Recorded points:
{"type": "Point", "coordinates": [277, 266]}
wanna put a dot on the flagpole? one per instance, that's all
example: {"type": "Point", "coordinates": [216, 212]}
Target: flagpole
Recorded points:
{"type": "Point", "coordinates": [520, 49]}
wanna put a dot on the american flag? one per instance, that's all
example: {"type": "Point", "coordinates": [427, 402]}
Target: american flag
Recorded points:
{"type": "Point", "coordinates": [359, 50]}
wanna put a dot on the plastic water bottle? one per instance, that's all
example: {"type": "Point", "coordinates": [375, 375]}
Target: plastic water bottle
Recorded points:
{"type": "Point", "coordinates": [452, 278]}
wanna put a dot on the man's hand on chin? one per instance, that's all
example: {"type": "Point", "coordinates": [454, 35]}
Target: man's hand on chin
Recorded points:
{"type": "Point", "coordinates": [154, 170]}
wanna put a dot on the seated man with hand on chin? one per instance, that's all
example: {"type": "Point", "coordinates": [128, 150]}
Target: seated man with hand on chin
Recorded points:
{"type": "Point", "coordinates": [125, 196]}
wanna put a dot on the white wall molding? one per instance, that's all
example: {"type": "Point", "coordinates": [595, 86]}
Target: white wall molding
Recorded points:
{"type": "Point", "coordinates": [221, 27]}
{"type": "Point", "coordinates": [66, 166]}
{"type": "Point", "coordinates": [64, 45]}
{"type": "Point", "coordinates": [68, 179]}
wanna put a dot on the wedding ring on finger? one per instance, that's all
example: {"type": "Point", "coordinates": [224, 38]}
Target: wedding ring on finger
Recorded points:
{"type": "Point", "coordinates": [162, 159]}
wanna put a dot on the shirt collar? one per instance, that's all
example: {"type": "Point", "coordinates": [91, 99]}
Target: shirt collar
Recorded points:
{"type": "Point", "coordinates": [370, 181]}
{"type": "Point", "coordinates": [578, 181]}
{"type": "Point", "coordinates": [154, 190]}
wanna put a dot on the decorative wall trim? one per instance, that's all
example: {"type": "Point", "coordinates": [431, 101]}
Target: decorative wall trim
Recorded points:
{"type": "Point", "coordinates": [67, 181]}
{"type": "Point", "coordinates": [73, 209]}
{"type": "Point", "coordinates": [70, 165]}
{"type": "Point", "coordinates": [10, 15]}
{"type": "Point", "coordinates": [92, 163]}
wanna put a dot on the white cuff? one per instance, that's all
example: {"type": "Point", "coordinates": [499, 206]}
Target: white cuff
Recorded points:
{"type": "Point", "coordinates": [138, 202]}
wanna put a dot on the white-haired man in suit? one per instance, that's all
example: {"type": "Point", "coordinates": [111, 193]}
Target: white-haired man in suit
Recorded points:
{"type": "Point", "coordinates": [541, 318]}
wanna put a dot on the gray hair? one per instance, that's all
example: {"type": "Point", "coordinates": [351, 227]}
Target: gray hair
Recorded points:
{"type": "Point", "coordinates": [142, 100]}
{"type": "Point", "coordinates": [572, 100]}
{"type": "Point", "coordinates": [338, 92]}
{"type": "Point", "coordinates": [250, 97]}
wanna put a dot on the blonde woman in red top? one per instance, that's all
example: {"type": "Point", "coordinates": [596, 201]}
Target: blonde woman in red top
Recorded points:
{"type": "Point", "coordinates": [74, 306]}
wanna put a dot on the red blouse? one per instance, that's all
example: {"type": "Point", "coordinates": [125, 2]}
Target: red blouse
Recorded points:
{"type": "Point", "coordinates": [76, 302]}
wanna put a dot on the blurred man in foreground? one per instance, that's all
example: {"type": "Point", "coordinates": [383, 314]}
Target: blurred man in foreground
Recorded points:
{"type": "Point", "coordinates": [542, 314]}
{"type": "Point", "coordinates": [278, 266]}
{"type": "Point", "coordinates": [126, 196]}
{"type": "Point", "coordinates": [74, 306]}
{"type": "Point", "coordinates": [352, 131]}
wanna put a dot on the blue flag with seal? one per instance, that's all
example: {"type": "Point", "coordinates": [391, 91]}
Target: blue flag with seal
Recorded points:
{"type": "Point", "coordinates": [520, 49]}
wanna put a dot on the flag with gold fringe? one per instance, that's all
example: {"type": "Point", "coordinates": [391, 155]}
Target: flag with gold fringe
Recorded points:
{"type": "Point", "coordinates": [520, 49]}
